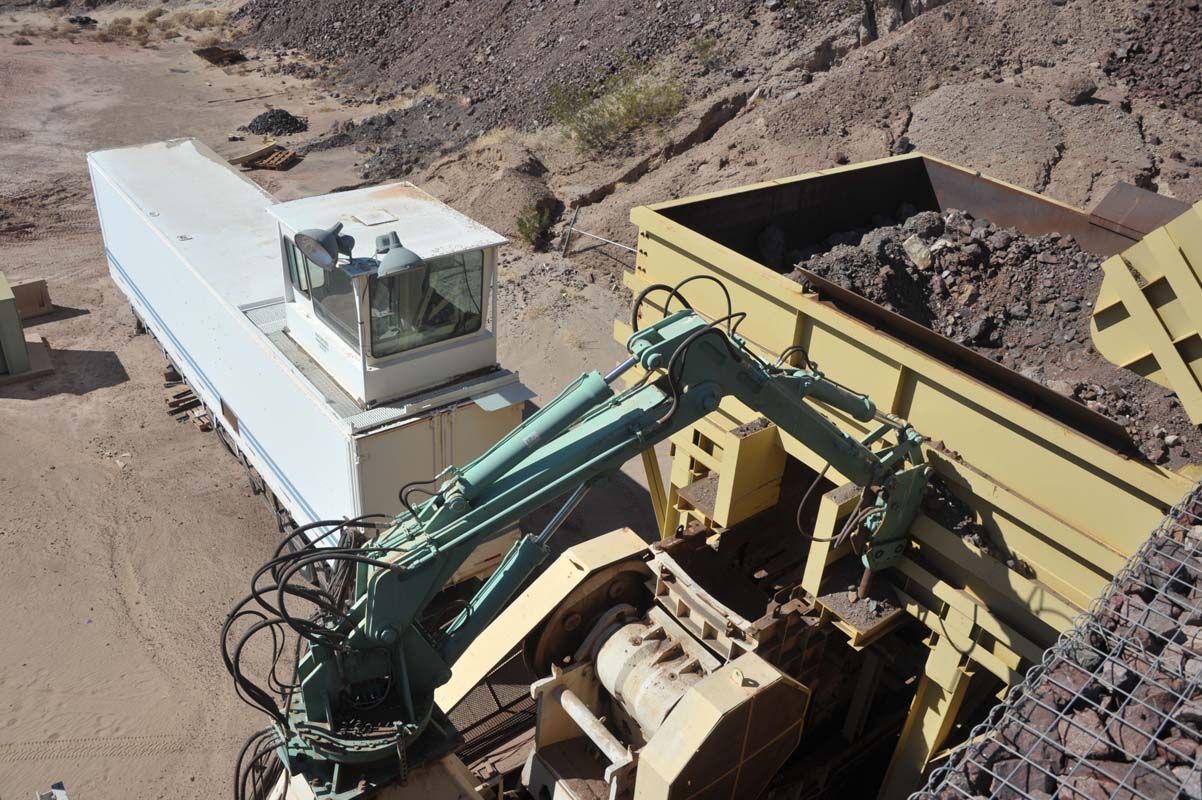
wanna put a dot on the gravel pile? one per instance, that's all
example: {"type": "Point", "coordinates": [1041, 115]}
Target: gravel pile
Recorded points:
{"type": "Point", "coordinates": [402, 140]}
{"type": "Point", "coordinates": [502, 57]}
{"type": "Point", "coordinates": [1159, 55]}
{"type": "Point", "coordinates": [505, 57]}
{"type": "Point", "coordinates": [1115, 709]}
{"type": "Point", "coordinates": [1023, 301]}
{"type": "Point", "coordinates": [277, 122]}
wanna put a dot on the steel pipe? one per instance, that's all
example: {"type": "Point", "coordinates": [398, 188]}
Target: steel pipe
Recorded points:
{"type": "Point", "coordinates": [592, 727]}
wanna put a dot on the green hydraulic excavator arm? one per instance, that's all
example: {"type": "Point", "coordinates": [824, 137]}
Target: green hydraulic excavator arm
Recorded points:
{"type": "Point", "coordinates": [366, 685]}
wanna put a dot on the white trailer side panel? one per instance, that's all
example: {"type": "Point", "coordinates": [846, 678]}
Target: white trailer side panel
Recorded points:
{"type": "Point", "coordinates": [396, 455]}
{"type": "Point", "coordinates": [188, 241]}
{"type": "Point", "coordinates": [392, 456]}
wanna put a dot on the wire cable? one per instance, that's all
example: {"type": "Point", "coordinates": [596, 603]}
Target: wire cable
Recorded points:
{"type": "Point", "coordinates": [790, 350]}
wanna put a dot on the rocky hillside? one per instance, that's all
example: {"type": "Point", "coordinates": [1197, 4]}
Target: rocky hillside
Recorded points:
{"type": "Point", "coordinates": [1062, 96]}
{"type": "Point", "coordinates": [506, 57]}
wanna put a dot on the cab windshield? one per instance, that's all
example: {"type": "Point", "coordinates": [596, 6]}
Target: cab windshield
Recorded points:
{"type": "Point", "coordinates": [438, 301]}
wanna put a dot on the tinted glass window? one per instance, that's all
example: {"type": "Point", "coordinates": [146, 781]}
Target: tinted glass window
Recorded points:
{"type": "Point", "coordinates": [333, 296]}
{"type": "Point", "coordinates": [427, 305]}
{"type": "Point", "coordinates": [296, 268]}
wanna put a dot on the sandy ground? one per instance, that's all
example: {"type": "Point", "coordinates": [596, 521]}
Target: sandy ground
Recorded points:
{"type": "Point", "coordinates": [124, 536]}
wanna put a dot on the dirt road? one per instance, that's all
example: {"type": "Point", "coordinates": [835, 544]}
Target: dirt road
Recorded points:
{"type": "Point", "coordinates": [124, 536]}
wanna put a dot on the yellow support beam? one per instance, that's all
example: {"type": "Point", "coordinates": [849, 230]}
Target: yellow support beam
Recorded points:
{"type": "Point", "coordinates": [972, 609]}
{"type": "Point", "coordinates": [1042, 612]}
{"type": "Point", "coordinates": [933, 712]}
{"type": "Point", "coordinates": [999, 664]}
{"type": "Point", "coordinates": [834, 506]}
{"type": "Point", "coordinates": [655, 488]}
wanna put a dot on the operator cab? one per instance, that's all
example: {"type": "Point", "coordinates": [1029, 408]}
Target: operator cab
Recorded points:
{"type": "Point", "coordinates": [388, 289]}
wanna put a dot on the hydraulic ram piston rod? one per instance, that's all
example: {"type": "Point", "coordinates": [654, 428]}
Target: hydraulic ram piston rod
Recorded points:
{"type": "Point", "coordinates": [592, 727]}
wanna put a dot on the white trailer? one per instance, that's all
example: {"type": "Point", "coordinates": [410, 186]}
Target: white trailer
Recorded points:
{"type": "Point", "coordinates": [336, 384]}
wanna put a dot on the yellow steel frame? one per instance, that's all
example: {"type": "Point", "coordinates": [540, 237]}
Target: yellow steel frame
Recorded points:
{"type": "Point", "coordinates": [1067, 507]}
{"type": "Point", "coordinates": [1153, 328]}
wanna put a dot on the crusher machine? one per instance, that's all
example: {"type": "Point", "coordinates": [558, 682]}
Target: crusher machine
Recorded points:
{"type": "Point", "coordinates": [763, 644]}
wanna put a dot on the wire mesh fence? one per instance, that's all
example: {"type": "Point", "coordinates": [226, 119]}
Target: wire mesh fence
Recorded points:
{"type": "Point", "coordinates": [1114, 709]}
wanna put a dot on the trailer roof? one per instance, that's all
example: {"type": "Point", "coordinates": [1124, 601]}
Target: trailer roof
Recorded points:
{"type": "Point", "coordinates": [212, 215]}
{"type": "Point", "coordinates": [425, 225]}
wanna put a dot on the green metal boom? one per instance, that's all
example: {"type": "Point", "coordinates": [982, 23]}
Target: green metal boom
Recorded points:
{"type": "Point", "coordinates": [369, 699]}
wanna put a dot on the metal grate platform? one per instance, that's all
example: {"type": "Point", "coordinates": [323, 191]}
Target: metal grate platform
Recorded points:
{"type": "Point", "coordinates": [1115, 708]}
{"type": "Point", "coordinates": [496, 710]}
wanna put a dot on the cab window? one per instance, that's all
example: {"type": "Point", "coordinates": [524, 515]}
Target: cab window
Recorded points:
{"type": "Point", "coordinates": [439, 301]}
{"type": "Point", "coordinates": [296, 268]}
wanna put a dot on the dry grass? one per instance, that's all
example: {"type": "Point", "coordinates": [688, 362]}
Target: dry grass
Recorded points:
{"type": "Point", "coordinates": [573, 338]}
{"type": "Point", "coordinates": [532, 224]}
{"type": "Point", "coordinates": [708, 51]}
{"type": "Point", "coordinates": [119, 27]}
{"type": "Point", "coordinates": [629, 102]}
{"type": "Point", "coordinates": [491, 138]}
{"type": "Point", "coordinates": [157, 23]}
{"type": "Point", "coordinates": [195, 20]}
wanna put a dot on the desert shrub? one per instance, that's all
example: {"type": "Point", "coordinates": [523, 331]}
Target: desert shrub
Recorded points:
{"type": "Point", "coordinates": [708, 51]}
{"type": "Point", "coordinates": [533, 223]}
{"type": "Point", "coordinates": [199, 20]}
{"type": "Point", "coordinates": [118, 28]}
{"type": "Point", "coordinates": [629, 102]}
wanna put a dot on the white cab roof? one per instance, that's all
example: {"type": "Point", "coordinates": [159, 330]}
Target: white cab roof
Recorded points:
{"type": "Point", "coordinates": [214, 216]}
{"type": "Point", "coordinates": [424, 224]}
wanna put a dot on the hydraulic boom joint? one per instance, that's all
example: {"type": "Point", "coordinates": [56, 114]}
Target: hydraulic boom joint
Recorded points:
{"type": "Point", "coordinates": [364, 702]}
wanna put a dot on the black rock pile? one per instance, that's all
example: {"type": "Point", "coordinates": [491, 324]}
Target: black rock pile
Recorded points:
{"type": "Point", "coordinates": [1024, 301]}
{"type": "Point", "coordinates": [401, 140]}
{"type": "Point", "coordinates": [276, 122]}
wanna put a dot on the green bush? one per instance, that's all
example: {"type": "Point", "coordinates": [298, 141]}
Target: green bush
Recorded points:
{"type": "Point", "coordinates": [533, 223]}
{"type": "Point", "coordinates": [628, 102]}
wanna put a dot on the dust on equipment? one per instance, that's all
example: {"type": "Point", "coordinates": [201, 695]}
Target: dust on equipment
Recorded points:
{"type": "Point", "coordinates": [816, 620]}
{"type": "Point", "coordinates": [363, 711]}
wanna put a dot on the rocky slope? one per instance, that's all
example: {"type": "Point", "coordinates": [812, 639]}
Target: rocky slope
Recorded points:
{"type": "Point", "coordinates": [1065, 97]}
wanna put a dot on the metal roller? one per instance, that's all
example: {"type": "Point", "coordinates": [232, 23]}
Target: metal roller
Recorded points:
{"type": "Point", "coordinates": [647, 672]}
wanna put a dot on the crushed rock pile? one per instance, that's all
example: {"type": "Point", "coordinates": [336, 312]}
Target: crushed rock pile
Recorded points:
{"type": "Point", "coordinates": [1159, 54]}
{"type": "Point", "coordinates": [277, 122]}
{"type": "Point", "coordinates": [1023, 301]}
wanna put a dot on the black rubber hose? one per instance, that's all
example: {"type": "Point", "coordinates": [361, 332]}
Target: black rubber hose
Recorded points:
{"type": "Point", "coordinates": [638, 302]}
{"type": "Point", "coordinates": [675, 292]}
